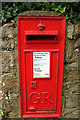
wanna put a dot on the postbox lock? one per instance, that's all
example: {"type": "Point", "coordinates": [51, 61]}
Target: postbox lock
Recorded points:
{"type": "Point", "coordinates": [41, 26]}
{"type": "Point", "coordinates": [32, 83]}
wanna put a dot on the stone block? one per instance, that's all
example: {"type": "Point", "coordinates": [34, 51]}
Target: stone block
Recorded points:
{"type": "Point", "coordinates": [73, 66]}
{"type": "Point", "coordinates": [70, 31]}
{"type": "Point", "coordinates": [8, 45]}
{"type": "Point", "coordinates": [11, 82]}
{"type": "Point", "coordinates": [76, 31]}
{"type": "Point", "coordinates": [73, 90]}
{"type": "Point", "coordinates": [71, 113]}
{"type": "Point", "coordinates": [40, 13]}
{"type": "Point", "coordinates": [72, 102]}
{"type": "Point", "coordinates": [7, 61]}
{"type": "Point", "coordinates": [72, 76]}
{"type": "Point", "coordinates": [72, 51]}
{"type": "Point", "coordinates": [9, 30]}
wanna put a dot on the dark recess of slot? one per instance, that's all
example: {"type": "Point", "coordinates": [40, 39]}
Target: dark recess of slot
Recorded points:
{"type": "Point", "coordinates": [40, 37]}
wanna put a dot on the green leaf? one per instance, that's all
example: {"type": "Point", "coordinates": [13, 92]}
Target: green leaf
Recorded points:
{"type": "Point", "coordinates": [56, 9]}
{"type": "Point", "coordinates": [70, 9]}
{"type": "Point", "coordinates": [74, 21]}
{"type": "Point", "coordinates": [63, 9]}
{"type": "Point", "coordinates": [67, 17]}
{"type": "Point", "coordinates": [15, 18]}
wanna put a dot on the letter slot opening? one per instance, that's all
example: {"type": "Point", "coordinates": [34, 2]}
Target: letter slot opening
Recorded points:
{"type": "Point", "coordinates": [42, 38]}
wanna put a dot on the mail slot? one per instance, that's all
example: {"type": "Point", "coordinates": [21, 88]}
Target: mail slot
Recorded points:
{"type": "Point", "coordinates": [41, 37]}
{"type": "Point", "coordinates": [41, 56]}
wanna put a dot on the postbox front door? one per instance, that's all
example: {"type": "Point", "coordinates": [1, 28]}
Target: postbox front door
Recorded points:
{"type": "Point", "coordinates": [41, 56]}
{"type": "Point", "coordinates": [41, 80]}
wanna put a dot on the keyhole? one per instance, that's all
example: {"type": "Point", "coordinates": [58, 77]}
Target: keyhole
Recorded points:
{"type": "Point", "coordinates": [32, 83]}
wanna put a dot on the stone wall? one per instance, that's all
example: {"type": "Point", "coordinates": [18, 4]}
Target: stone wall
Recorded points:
{"type": "Point", "coordinates": [71, 93]}
{"type": "Point", "coordinates": [10, 78]}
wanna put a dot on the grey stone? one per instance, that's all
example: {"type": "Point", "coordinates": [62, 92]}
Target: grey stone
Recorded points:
{"type": "Point", "coordinates": [63, 104]}
{"type": "Point", "coordinates": [72, 77]}
{"type": "Point", "coordinates": [12, 45]}
{"type": "Point", "coordinates": [14, 115]}
{"type": "Point", "coordinates": [76, 31]}
{"type": "Point", "coordinates": [7, 61]}
{"type": "Point", "coordinates": [71, 91]}
{"type": "Point", "coordinates": [73, 31]}
{"type": "Point", "coordinates": [73, 66]}
{"type": "Point", "coordinates": [11, 93]}
{"type": "Point", "coordinates": [10, 81]}
{"type": "Point", "coordinates": [9, 44]}
{"type": "Point", "coordinates": [70, 31]}
{"type": "Point", "coordinates": [71, 113]}
{"type": "Point", "coordinates": [77, 43]}
{"type": "Point", "coordinates": [69, 50]}
{"type": "Point", "coordinates": [7, 108]}
{"type": "Point", "coordinates": [72, 102]}
{"type": "Point", "coordinates": [9, 31]}
{"type": "Point", "coordinates": [40, 13]}
{"type": "Point", "coordinates": [72, 51]}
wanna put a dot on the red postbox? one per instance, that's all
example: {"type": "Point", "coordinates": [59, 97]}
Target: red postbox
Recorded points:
{"type": "Point", "coordinates": [41, 42]}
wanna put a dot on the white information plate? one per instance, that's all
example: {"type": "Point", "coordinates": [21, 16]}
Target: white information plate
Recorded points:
{"type": "Point", "coordinates": [41, 64]}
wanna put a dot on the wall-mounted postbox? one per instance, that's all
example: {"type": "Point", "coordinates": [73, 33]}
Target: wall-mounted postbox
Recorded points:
{"type": "Point", "coordinates": [41, 56]}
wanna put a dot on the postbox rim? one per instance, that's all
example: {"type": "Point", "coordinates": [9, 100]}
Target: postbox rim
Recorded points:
{"type": "Point", "coordinates": [25, 56]}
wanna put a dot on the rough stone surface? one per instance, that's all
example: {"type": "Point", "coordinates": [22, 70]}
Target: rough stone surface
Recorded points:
{"type": "Point", "coordinates": [70, 31]}
{"type": "Point", "coordinates": [40, 13]}
{"type": "Point", "coordinates": [10, 79]}
{"type": "Point", "coordinates": [7, 64]}
{"type": "Point", "coordinates": [71, 82]}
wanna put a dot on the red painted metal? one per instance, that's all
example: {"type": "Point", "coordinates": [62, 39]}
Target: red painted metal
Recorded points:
{"type": "Point", "coordinates": [41, 96]}
{"type": "Point", "coordinates": [41, 26]}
